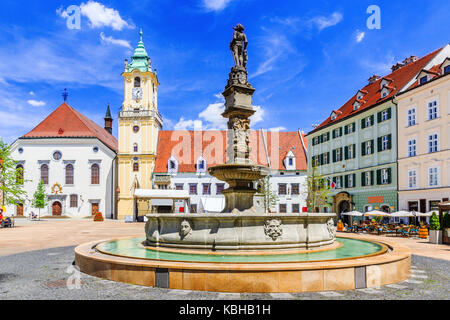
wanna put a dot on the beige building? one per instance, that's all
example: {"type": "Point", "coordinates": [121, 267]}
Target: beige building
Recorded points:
{"type": "Point", "coordinates": [139, 125]}
{"type": "Point", "coordinates": [424, 137]}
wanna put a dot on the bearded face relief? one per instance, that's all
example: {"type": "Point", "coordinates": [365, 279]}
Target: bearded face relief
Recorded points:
{"type": "Point", "coordinates": [331, 228]}
{"type": "Point", "coordinates": [273, 229]}
{"type": "Point", "coordinates": [185, 229]}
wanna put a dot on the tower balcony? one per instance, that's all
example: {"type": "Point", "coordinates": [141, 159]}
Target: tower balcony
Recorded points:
{"type": "Point", "coordinates": [139, 114]}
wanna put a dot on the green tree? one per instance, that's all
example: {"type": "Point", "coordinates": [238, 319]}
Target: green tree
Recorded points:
{"type": "Point", "coordinates": [11, 177]}
{"type": "Point", "coordinates": [40, 198]}
{"type": "Point", "coordinates": [318, 192]}
{"type": "Point", "coordinates": [270, 197]}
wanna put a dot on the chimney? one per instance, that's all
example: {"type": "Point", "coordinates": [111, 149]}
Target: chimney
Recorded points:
{"type": "Point", "coordinates": [410, 59]}
{"type": "Point", "coordinates": [397, 66]}
{"type": "Point", "coordinates": [374, 78]}
{"type": "Point", "coordinates": [108, 120]}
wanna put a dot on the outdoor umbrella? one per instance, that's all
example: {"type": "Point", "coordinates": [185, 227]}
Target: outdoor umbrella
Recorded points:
{"type": "Point", "coordinates": [352, 213]}
{"type": "Point", "coordinates": [402, 214]}
{"type": "Point", "coordinates": [376, 213]}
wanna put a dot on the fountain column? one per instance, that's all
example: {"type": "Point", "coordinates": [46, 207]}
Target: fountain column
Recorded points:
{"type": "Point", "coordinates": [239, 172]}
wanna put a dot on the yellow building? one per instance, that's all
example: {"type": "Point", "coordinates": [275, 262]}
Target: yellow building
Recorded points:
{"type": "Point", "coordinates": [139, 125]}
{"type": "Point", "coordinates": [424, 137]}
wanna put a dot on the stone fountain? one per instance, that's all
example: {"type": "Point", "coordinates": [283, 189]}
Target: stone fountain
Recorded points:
{"type": "Point", "coordinates": [240, 226]}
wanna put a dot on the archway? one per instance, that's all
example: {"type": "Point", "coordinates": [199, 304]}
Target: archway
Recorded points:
{"type": "Point", "coordinates": [344, 206]}
{"type": "Point", "coordinates": [56, 208]}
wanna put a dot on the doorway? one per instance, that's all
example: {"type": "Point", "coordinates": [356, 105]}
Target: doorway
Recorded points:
{"type": "Point", "coordinates": [56, 208]}
{"type": "Point", "coordinates": [19, 210]}
{"type": "Point", "coordinates": [94, 209]}
{"type": "Point", "coordinates": [344, 206]}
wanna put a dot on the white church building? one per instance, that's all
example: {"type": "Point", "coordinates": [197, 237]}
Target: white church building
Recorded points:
{"type": "Point", "coordinates": [75, 158]}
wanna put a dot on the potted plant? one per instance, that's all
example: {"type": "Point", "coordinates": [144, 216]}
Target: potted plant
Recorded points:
{"type": "Point", "coordinates": [98, 216]}
{"type": "Point", "coordinates": [435, 229]}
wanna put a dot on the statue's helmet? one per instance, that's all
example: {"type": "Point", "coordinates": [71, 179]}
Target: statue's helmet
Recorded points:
{"type": "Point", "coordinates": [239, 27]}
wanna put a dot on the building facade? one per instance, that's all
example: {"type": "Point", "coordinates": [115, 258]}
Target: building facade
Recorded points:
{"type": "Point", "coordinates": [424, 139]}
{"type": "Point", "coordinates": [75, 158]}
{"type": "Point", "coordinates": [355, 148]}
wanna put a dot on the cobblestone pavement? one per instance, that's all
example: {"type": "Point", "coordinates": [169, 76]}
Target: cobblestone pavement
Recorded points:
{"type": "Point", "coordinates": [43, 275]}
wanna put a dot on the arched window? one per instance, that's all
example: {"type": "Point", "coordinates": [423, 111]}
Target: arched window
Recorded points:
{"type": "Point", "coordinates": [19, 174]}
{"type": "Point", "coordinates": [135, 167]}
{"type": "Point", "coordinates": [44, 173]}
{"type": "Point", "coordinates": [135, 147]}
{"type": "Point", "coordinates": [69, 174]}
{"type": "Point", "coordinates": [137, 82]}
{"type": "Point", "coordinates": [95, 174]}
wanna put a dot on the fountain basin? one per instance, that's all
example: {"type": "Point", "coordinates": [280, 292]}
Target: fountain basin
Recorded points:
{"type": "Point", "coordinates": [237, 231]}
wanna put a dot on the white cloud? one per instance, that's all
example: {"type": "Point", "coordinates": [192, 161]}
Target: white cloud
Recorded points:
{"type": "Point", "coordinates": [36, 103]}
{"type": "Point", "coordinates": [211, 119]}
{"type": "Point", "coordinates": [32, 93]}
{"type": "Point", "coordinates": [101, 16]}
{"type": "Point", "coordinates": [215, 5]}
{"type": "Point", "coordinates": [277, 129]}
{"type": "Point", "coordinates": [118, 42]}
{"type": "Point", "coordinates": [325, 22]}
{"type": "Point", "coordinates": [360, 36]}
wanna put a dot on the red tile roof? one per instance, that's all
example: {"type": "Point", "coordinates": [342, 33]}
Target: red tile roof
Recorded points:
{"type": "Point", "coordinates": [398, 79]}
{"type": "Point", "coordinates": [434, 72]}
{"type": "Point", "coordinates": [212, 146]}
{"type": "Point", "coordinates": [66, 122]}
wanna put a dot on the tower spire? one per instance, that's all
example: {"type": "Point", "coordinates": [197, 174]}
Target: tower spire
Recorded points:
{"type": "Point", "coordinates": [108, 120]}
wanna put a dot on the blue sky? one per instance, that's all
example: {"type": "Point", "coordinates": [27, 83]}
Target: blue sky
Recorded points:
{"type": "Point", "coordinates": [306, 58]}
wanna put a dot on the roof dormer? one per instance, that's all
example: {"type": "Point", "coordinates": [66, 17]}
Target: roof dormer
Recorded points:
{"type": "Point", "coordinates": [289, 161]}
{"type": "Point", "coordinates": [201, 165]}
{"type": "Point", "coordinates": [425, 75]}
{"type": "Point", "coordinates": [445, 66]}
{"type": "Point", "coordinates": [335, 114]}
{"type": "Point", "coordinates": [360, 94]}
{"type": "Point", "coordinates": [385, 82]}
{"type": "Point", "coordinates": [172, 165]}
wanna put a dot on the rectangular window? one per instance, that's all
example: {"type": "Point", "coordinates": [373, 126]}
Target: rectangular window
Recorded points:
{"type": "Point", "coordinates": [412, 178]}
{"type": "Point", "coordinates": [432, 110]}
{"type": "Point", "coordinates": [447, 69]}
{"type": "Point", "coordinates": [368, 148]}
{"type": "Point", "coordinates": [384, 115]}
{"type": "Point", "coordinates": [193, 208]}
{"type": "Point", "coordinates": [412, 148]}
{"type": "Point", "coordinates": [338, 182]}
{"type": "Point", "coordinates": [338, 155]}
{"type": "Point", "coordinates": [433, 177]}
{"type": "Point", "coordinates": [192, 188]}
{"type": "Point", "coordinates": [295, 189]}
{"type": "Point", "coordinates": [366, 179]}
{"type": "Point", "coordinates": [207, 188]}
{"type": "Point", "coordinates": [219, 188]}
{"type": "Point", "coordinates": [74, 201]}
{"type": "Point", "coordinates": [433, 143]}
{"type": "Point", "coordinates": [326, 159]}
{"type": "Point", "coordinates": [384, 176]}
{"type": "Point", "coordinates": [384, 143]}
{"type": "Point", "coordinates": [282, 189]}
{"type": "Point", "coordinates": [411, 117]}
{"type": "Point", "coordinates": [325, 137]}
{"type": "Point", "coordinates": [350, 128]}
{"type": "Point", "coordinates": [179, 186]}
{"type": "Point", "coordinates": [295, 208]}
{"type": "Point", "coordinates": [350, 181]}
{"type": "Point", "coordinates": [351, 151]}
{"type": "Point", "coordinates": [424, 79]}
{"type": "Point", "coordinates": [283, 208]}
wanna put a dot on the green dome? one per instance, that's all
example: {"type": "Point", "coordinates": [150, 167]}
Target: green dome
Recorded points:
{"type": "Point", "coordinates": [140, 58]}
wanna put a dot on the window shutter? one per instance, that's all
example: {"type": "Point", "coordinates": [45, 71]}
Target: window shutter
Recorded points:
{"type": "Point", "coordinates": [334, 155]}
{"type": "Point", "coordinates": [389, 175]}
{"type": "Point", "coordinates": [320, 138]}
{"type": "Point", "coordinates": [334, 134]}
{"type": "Point", "coordinates": [321, 159]}
{"type": "Point", "coordinates": [328, 136]}
{"type": "Point", "coordinates": [354, 180]}
{"type": "Point", "coordinates": [363, 148]}
{"type": "Point", "coordinates": [380, 147]}
{"type": "Point", "coordinates": [379, 117]}
{"type": "Point", "coordinates": [389, 141]}
{"type": "Point", "coordinates": [379, 176]}
{"type": "Point", "coordinates": [372, 150]}
{"type": "Point", "coordinates": [371, 178]}
{"type": "Point", "coordinates": [372, 118]}
{"type": "Point", "coordinates": [340, 131]}
{"type": "Point", "coordinates": [354, 126]}
{"type": "Point", "coordinates": [346, 181]}
{"type": "Point", "coordinates": [389, 113]}
{"type": "Point", "coordinates": [346, 130]}
{"type": "Point", "coordinates": [346, 152]}
{"type": "Point", "coordinates": [354, 151]}
{"type": "Point", "coordinates": [363, 179]}
{"type": "Point", "coordinates": [363, 124]}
